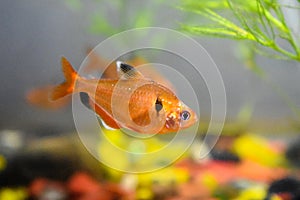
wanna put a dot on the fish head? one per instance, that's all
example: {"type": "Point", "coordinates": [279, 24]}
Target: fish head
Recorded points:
{"type": "Point", "coordinates": [177, 115]}
{"type": "Point", "coordinates": [153, 107]}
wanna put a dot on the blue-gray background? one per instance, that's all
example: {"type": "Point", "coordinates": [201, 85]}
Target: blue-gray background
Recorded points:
{"type": "Point", "coordinates": [34, 35]}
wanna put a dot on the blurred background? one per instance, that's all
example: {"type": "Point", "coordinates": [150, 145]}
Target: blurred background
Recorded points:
{"type": "Point", "coordinates": [35, 34]}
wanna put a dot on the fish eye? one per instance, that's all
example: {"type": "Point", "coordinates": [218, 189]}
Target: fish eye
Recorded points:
{"type": "Point", "coordinates": [158, 105]}
{"type": "Point", "coordinates": [185, 115]}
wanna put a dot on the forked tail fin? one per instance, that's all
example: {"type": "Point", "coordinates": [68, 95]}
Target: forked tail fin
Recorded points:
{"type": "Point", "coordinates": [66, 87]}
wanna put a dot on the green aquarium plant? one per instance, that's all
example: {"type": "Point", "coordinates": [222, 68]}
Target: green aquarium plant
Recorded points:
{"type": "Point", "coordinates": [260, 25]}
{"type": "Point", "coordinates": [260, 21]}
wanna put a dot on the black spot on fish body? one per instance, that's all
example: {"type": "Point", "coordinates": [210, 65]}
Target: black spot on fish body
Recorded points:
{"type": "Point", "coordinates": [158, 105]}
{"type": "Point", "coordinates": [85, 99]}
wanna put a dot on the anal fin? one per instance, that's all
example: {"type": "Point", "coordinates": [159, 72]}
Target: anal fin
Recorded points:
{"type": "Point", "coordinates": [105, 119]}
{"type": "Point", "coordinates": [104, 125]}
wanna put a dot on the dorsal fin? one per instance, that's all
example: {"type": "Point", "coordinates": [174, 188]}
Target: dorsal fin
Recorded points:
{"type": "Point", "coordinates": [126, 71]}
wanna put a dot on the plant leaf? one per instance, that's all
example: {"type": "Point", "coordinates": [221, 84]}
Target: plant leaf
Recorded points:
{"type": "Point", "coordinates": [217, 32]}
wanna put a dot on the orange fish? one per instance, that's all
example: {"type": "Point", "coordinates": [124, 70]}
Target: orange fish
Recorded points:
{"type": "Point", "coordinates": [132, 101]}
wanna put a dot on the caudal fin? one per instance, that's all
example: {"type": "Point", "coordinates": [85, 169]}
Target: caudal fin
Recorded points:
{"type": "Point", "coordinates": [66, 87]}
{"type": "Point", "coordinates": [39, 97]}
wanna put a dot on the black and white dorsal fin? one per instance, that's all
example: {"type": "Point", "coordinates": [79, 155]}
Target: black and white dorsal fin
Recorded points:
{"type": "Point", "coordinates": [126, 71]}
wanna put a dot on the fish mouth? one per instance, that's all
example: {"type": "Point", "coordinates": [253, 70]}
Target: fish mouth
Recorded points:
{"type": "Point", "coordinates": [195, 118]}
{"type": "Point", "coordinates": [170, 123]}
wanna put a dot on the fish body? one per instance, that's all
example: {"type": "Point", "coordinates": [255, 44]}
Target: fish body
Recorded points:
{"type": "Point", "coordinates": [132, 101]}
